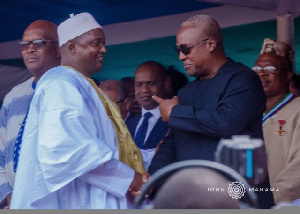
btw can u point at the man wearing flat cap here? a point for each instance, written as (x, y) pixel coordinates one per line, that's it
(77, 152)
(281, 119)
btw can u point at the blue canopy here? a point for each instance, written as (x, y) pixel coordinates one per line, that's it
(140, 30)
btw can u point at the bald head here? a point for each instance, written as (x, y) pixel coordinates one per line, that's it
(40, 57)
(188, 189)
(49, 28)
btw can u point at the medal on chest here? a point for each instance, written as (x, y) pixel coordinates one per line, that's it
(280, 132)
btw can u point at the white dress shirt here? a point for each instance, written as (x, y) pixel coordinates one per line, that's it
(148, 153)
(152, 120)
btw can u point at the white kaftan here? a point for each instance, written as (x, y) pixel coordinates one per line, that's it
(69, 155)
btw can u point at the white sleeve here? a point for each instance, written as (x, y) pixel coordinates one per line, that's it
(114, 177)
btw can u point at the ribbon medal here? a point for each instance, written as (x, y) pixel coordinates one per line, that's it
(281, 124)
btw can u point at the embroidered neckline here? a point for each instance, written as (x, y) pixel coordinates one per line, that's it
(278, 106)
(33, 85)
(129, 153)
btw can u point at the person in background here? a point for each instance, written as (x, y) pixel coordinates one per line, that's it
(116, 91)
(281, 120)
(76, 149)
(148, 129)
(129, 84)
(294, 86)
(134, 109)
(175, 81)
(40, 52)
(225, 99)
(188, 189)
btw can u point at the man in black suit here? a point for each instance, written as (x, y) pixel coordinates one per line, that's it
(225, 99)
(148, 129)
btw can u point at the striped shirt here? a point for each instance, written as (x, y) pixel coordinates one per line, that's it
(14, 108)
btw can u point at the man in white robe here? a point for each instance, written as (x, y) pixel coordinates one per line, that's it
(71, 150)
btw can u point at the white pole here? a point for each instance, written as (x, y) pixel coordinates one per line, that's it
(285, 30)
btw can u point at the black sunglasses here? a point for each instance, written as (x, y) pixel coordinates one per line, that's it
(37, 44)
(186, 49)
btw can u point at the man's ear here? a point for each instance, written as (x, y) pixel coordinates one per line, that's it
(212, 43)
(71, 46)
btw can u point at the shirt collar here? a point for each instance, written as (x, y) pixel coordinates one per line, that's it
(155, 112)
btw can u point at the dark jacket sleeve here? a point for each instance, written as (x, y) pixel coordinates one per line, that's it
(165, 154)
(241, 101)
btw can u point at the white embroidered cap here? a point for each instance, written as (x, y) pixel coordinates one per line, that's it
(272, 46)
(76, 26)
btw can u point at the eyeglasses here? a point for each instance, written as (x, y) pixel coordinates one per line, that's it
(186, 49)
(268, 70)
(37, 44)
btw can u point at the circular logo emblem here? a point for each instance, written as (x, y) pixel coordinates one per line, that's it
(236, 190)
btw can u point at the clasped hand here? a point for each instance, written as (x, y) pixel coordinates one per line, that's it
(136, 185)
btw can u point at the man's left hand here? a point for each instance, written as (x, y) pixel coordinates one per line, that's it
(165, 106)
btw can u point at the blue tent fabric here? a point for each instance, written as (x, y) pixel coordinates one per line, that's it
(17, 14)
(137, 31)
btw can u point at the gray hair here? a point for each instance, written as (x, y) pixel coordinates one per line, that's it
(207, 24)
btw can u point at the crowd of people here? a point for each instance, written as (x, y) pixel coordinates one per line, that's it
(90, 145)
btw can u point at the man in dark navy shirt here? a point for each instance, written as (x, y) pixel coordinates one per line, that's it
(225, 99)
